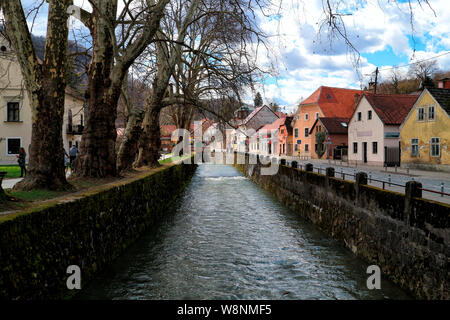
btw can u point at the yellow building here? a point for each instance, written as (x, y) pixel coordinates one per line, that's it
(425, 133)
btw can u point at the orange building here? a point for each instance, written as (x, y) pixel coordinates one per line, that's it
(325, 102)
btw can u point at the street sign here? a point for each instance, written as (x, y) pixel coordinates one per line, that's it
(299, 141)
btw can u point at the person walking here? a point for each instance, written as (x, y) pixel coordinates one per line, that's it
(66, 161)
(73, 152)
(21, 160)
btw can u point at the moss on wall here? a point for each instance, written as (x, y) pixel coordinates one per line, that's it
(37, 246)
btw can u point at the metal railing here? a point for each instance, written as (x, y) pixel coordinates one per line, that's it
(383, 183)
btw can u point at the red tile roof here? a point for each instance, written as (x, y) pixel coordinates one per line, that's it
(392, 108)
(333, 125)
(335, 102)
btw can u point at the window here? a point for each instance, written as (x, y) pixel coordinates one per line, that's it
(317, 115)
(306, 132)
(306, 147)
(315, 147)
(414, 147)
(359, 116)
(435, 147)
(282, 131)
(306, 117)
(296, 132)
(374, 147)
(420, 114)
(431, 113)
(355, 147)
(296, 147)
(13, 145)
(13, 112)
(369, 115)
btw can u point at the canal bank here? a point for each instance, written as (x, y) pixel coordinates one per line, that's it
(406, 236)
(227, 238)
(89, 231)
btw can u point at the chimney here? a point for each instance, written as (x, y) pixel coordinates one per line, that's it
(444, 83)
(372, 86)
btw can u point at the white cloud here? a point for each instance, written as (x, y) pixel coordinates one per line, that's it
(307, 61)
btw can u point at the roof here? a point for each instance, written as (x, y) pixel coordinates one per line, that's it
(335, 102)
(288, 123)
(274, 125)
(334, 125)
(442, 96)
(254, 112)
(392, 108)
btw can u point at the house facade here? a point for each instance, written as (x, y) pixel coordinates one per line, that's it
(16, 115)
(285, 136)
(334, 133)
(374, 128)
(325, 102)
(249, 127)
(425, 134)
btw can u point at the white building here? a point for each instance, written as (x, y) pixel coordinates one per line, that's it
(374, 128)
(15, 114)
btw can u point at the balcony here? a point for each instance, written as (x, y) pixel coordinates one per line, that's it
(75, 129)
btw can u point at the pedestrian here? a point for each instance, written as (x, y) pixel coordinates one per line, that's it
(66, 161)
(21, 160)
(73, 152)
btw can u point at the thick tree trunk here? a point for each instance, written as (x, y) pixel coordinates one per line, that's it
(150, 140)
(97, 150)
(129, 146)
(46, 165)
(46, 85)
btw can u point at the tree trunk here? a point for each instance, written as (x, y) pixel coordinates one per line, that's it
(129, 146)
(46, 85)
(97, 150)
(150, 140)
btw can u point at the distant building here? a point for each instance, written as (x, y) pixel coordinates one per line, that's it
(326, 102)
(374, 128)
(335, 138)
(425, 134)
(240, 137)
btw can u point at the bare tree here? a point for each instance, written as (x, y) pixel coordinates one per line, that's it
(424, 71)
(118, 38)
(45, 82)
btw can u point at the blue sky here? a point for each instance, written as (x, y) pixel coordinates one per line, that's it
(306, 58)
(379, 29)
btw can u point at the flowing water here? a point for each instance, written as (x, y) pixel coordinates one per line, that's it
(226, 238)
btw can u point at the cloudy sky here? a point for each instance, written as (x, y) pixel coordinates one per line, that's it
(380, 30)
(305, 58)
